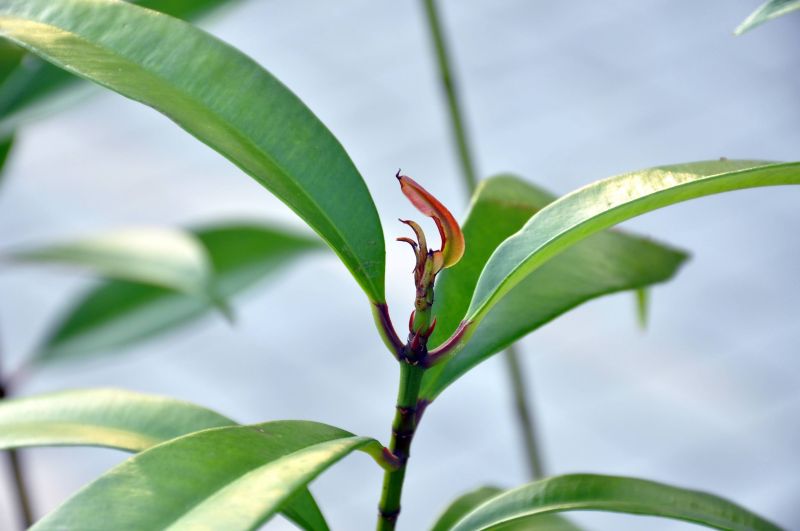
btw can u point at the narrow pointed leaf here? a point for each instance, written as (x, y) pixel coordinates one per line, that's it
(605, 203)
(168, 258)
(223, 98)
(589, 492)
(768, 11)
(35, 87)
(100, 417)
(607, 262)
(124, 420)
(227, 478)
(118, 314)
(449, 231)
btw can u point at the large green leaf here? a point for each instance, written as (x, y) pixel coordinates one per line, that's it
(30, 88)
(588, 492)
(605, 203)
(124, 420)
(223, 98)
(767, 11)
(607, 262)
(118, 314)
(168, 258)
(100, 417)
(469, 501)
(227, 478)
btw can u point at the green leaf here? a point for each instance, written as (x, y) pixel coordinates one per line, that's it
(642, 306)
(223, 98)
(100, 417)
(463, 505)
(5, 150)
(469, 501)
(168, 258)
(769, 10)
(588, 492)
(227, 478)
(124, 420)
(607, 262)
(32, 87)
(605, 203)
(118, 314)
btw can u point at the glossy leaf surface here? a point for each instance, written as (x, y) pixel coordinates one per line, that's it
(605, 203)
(227, 478)
(588, 492)
(124, 420)
(118, 314)
(32, 85)
(469, 501)
(766, 12)
(463, 505)
(100, 417)
(167, 258)
(223, 98)
(605, 263)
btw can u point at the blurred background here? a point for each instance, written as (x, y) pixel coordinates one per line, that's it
(561, 93)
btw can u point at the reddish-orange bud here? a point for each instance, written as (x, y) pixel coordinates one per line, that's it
(452, 238)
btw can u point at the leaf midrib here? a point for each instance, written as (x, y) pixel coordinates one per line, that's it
(492, 299)
(187, 509)
(229, 127)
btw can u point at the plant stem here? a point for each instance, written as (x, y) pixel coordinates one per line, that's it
(403, 428)
(449, 86)
(18, 478)
(16, 469)
(524, 416)
(523, 412)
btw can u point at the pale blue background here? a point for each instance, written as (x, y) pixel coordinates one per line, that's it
(562, 93)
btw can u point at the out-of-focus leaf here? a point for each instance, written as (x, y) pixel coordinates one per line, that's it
(10, 57)
(605, 263)
(600, 205)
(223, 98)
(5, 150)
(117, 314)
(226, 478)
(588, 492)
(767, 11)
(124, 420)
(100, 417)
(30, 88)
(168, 258)
(642, 306)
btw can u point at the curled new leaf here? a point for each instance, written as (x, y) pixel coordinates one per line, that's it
(452, 239)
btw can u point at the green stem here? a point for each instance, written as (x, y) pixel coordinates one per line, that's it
(403, 428)
(449, 86)
(524, 414)
(526, 421)
(17, 474)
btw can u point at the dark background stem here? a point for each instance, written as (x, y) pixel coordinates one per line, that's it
(524, 414)
(15, 467)
(21, 489)
(447, 80)
(525, 421)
